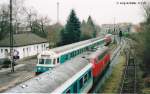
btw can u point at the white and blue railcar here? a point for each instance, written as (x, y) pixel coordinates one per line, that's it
(75, 76)
(53, 57)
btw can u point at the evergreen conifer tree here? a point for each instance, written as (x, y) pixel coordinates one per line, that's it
(72, 32)
(92, 26)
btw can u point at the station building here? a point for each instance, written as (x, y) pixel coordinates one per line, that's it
(25, 45)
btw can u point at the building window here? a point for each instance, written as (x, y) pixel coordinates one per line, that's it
(34, 47)
(6, 50)
(1, 50)
(6, 53)
(37, 47)
(42, 47)
(30, 49)
(23, 51)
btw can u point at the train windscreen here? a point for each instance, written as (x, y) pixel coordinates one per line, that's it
(44, 61)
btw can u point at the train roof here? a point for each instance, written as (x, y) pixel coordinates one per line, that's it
(99, 52)
(73, 45)
(49, 81)
(60, 50)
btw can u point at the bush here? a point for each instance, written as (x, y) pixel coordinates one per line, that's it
(6, 63)
(147, 81)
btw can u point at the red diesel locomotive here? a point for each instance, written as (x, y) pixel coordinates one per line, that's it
(100, 60)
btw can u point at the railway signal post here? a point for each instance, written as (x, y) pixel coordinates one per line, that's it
(120, 35)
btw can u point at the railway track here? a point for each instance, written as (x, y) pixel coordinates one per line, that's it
(128, 84)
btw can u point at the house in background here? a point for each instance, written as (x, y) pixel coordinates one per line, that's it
(25, 45)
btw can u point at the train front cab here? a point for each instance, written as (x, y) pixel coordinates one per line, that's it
(44, 64)
(82, 84)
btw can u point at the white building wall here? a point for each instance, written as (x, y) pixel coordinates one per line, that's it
(4, 52)
(24, 51)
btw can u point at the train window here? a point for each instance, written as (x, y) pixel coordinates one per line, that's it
(68, 91)
(66, 57)
(75, 52)
(96, 60)
(85, 78)
(75, 88)
(41, 61)
(101, 56)
(89, 74)
(57, 60)
(72, 54)
(80, 83)
(54, 60)
(47, 61)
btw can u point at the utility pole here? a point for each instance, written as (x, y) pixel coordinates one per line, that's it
(114, 26)
(114, 31)
(57, 12)
(11, 38)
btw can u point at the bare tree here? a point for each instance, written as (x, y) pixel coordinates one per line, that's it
(4, 20)
(44, 22)
(31, 16)
(146, 10)
(36, 21)
(18, 14)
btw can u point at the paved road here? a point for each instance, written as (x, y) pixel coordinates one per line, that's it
(22, 73)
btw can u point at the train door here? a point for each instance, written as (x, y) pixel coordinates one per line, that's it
(75, 88)
(54, 61)
(57, 62)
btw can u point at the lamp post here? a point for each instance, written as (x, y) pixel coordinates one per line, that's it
(11, 38)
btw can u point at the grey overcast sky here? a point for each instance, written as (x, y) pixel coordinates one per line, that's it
(102, 11)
